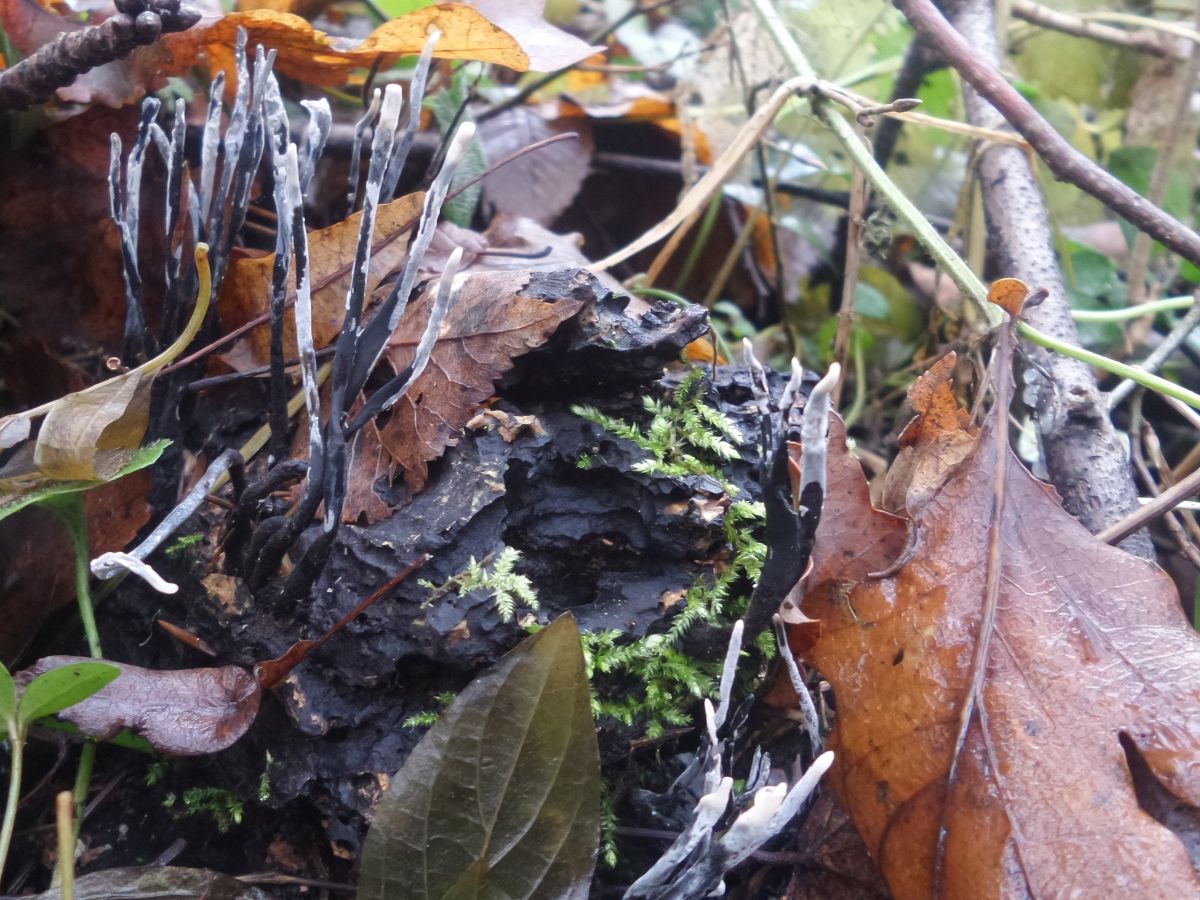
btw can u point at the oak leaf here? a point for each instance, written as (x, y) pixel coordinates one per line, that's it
(1087, 663)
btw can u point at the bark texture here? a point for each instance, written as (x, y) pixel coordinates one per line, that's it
(1085, 457)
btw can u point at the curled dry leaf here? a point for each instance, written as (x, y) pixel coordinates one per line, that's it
(1088, 658)
(246, 291)
(313, 56)
(494, 318)
(188, 712)
(185, 712)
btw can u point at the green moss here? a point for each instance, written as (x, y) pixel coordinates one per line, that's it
(650, 682)
(510, 589)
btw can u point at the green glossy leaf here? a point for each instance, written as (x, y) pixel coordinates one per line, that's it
(501, 799)
(18, 493)
(62, 687)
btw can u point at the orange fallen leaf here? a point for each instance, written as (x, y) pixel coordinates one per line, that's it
(995, 750)
(308, 54)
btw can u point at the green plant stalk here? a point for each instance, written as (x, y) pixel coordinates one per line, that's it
(17, 742)
(83, 780)
(860, 382)
(1169, 304)
(942, 253)
(967, 281)
(66, 846)
(70, 509)
(1133, 373)
(701, 241)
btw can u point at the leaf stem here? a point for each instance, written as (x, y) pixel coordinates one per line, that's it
(203, 295)
(17, 742)
(70, 508)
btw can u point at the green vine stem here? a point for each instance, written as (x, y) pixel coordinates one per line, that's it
(1133, 373)
(1153, 308)
(942, 253)
(70, 508)
(17, 743)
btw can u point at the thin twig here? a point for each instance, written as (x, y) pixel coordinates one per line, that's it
(1156, 189)
(1067, 163)
(1161, 353)
(1045, 17)
(846, 315)
(1167, 500)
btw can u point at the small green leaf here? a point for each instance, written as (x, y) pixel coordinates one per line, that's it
(502, 797)
(445, 106)
(16, 494)
(63, 687)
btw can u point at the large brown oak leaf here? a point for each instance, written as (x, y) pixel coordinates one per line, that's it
(1090, 659)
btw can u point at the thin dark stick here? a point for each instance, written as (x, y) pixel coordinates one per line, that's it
(1164, 502)
(384, 242)
(1067, 163)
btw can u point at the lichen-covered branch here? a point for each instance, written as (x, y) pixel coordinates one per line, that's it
(57, 64)
(1084, 455)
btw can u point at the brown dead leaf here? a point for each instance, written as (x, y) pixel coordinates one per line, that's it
(538, 185)
(313, 56)
(369, 462)
(1088, 648)
(185, 713)
(494, 318)
(938, 438)
(189, 712)
(246, 292)
(60, 272)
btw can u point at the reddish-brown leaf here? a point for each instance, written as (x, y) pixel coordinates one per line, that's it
(186, 712)
(495, 318)
(1089, 649)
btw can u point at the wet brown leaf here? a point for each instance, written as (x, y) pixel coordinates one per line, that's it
(1088, 648)
(186, 712)
(246, 291)
(495, 318)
